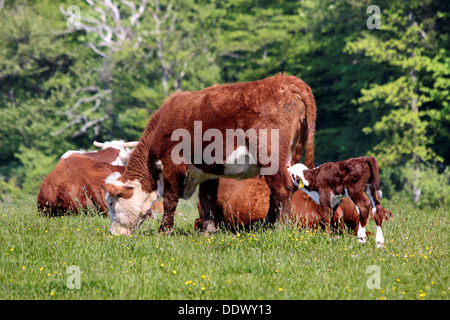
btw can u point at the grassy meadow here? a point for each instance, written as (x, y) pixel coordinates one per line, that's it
(38, 256)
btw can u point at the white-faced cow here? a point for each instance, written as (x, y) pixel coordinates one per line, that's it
(78, 176)
(238, 130)
(357, 178)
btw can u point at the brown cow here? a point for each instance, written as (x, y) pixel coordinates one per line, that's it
(77, 178)
(281, 107)
(357, 178)
(244, 203)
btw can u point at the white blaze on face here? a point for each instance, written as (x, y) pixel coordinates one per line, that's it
(297, 171)
(127, 213)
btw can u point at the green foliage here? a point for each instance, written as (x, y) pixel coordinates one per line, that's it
(380, 92)
(407, 99)
(398, 183)
(434, 186)
(35, 167)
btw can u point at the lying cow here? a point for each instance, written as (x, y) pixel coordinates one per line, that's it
(77, 178)
(244, 203)
(281, 107)
(357, 178)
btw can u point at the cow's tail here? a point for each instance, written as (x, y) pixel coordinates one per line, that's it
(307, 127)
(375, 181)
(310, 105)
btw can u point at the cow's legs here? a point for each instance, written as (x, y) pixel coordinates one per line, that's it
(208, 199)
(363, 205)
(378, 217)
(325, 202)
(280, 198)
(378, 213)
(170, 204)
(337, 221)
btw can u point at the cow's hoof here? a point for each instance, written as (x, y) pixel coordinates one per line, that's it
(362, 240)
(198, 225)
(209, 227)
(379, 245)
(165, 230)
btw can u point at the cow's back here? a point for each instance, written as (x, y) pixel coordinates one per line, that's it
(271, 103)
(75, 183)
(59, 189)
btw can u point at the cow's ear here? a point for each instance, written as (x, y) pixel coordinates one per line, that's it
(122, 191)
(112, 189)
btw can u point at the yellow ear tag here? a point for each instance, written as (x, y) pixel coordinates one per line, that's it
(300, 184)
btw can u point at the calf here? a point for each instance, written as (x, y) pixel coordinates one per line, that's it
(357, 178)
(244, 203)
(346, 213)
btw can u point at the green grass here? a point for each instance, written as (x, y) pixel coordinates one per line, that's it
(285, 263)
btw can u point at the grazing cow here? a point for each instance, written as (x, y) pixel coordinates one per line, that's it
(246, 202)
(357, 178)
(281, 107)
(77, 178)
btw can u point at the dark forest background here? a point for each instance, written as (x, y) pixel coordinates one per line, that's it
(72, 72)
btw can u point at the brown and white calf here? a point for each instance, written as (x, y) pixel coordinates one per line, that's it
(243, 203)
(357, 178)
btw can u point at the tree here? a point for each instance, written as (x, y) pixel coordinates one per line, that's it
(253, 37)
(407, 44)
(36, 65)
(146, 51)
(317, 54)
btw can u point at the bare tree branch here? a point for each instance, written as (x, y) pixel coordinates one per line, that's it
(97, 51)
(97, 96)
(106, 23)
(88, 125)
(113, 33)
(84, 117)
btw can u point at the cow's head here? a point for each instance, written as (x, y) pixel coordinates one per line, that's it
(129, 202)
(296, 173)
